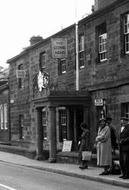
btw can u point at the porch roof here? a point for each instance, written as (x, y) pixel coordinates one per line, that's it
(65, 98)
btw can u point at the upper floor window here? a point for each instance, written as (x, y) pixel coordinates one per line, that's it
(81, 51)
(103, 47)
(126, 33)
(20, 76)
(102, 42)
(42, 60)
(62, 66)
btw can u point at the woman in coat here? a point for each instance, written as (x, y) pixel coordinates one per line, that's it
(84, 145)
(104, 149)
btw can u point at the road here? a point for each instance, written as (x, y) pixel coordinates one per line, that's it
(14, 177)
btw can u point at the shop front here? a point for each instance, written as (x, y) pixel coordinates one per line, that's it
(58, 118)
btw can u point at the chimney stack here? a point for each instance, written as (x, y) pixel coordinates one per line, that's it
(35, 39)
(100, 4)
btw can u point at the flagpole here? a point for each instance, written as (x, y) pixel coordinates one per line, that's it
(76, 37)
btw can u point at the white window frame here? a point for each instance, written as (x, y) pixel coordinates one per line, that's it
(63, 66)
(81, 50)
(126, 33)
(1, 117)
(103, 47)
(44, 124)
(5, 116)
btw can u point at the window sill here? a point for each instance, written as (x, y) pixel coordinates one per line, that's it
(102, 62)
(82, 67)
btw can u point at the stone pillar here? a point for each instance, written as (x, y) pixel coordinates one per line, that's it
(52, 134)
(39, 155)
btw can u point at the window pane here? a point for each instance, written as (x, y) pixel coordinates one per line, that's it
(63, 66)
(5, 116)
(1, 117)
(42, 60)
(103, 46)
(81, 43)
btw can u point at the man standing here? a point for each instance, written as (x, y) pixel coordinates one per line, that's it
(124, 148)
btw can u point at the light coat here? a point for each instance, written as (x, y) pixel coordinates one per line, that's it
(104, 149)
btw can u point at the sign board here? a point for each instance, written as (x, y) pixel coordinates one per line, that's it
(20, 74)
(59, 48)
(98, 102)
(67, 145)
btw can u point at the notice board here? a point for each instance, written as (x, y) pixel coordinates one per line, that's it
(67, 145)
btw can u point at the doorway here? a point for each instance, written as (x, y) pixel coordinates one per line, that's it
(76, 118)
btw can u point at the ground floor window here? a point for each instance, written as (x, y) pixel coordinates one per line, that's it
(125, 109)
(62, 124)
(3, 116)
(44, 123)
(21, 126)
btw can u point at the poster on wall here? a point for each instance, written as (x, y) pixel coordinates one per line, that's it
(67, 145)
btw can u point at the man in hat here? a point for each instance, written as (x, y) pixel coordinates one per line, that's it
(113, 134)
(124, 147)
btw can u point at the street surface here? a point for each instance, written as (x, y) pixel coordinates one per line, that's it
(14, 177)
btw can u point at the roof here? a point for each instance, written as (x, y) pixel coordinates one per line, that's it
(104, 10)
(26, 50)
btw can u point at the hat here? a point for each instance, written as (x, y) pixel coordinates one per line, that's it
(102, 119)
(125, 118)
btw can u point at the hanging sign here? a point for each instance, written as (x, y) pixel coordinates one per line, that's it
(99, 102)
(59, 48)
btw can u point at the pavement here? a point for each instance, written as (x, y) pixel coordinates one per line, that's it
(92, 173)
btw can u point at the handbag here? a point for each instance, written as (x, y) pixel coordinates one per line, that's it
(86, 155)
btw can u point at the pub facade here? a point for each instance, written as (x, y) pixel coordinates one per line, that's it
(46, 108)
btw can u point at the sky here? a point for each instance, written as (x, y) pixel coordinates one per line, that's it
(22, 19)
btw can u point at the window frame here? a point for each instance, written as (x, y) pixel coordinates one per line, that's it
(126, 33)
(81, 48)
(103, 47)
(62, 124)
(42, 60)
(44, 124)
(62, 66)
(20, 80)
(4, 116)
(21, 126)
(125, 109)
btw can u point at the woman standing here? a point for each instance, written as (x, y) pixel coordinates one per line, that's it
(84, 145)
(104, 149)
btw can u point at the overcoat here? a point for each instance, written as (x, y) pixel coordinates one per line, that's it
(84, 140)
(104, 149)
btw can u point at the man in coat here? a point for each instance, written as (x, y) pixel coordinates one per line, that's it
(124, 147)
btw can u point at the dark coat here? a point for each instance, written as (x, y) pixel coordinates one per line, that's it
(124, 139)
(85, 136)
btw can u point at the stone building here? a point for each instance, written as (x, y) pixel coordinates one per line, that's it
(106, 55)
(46, 108)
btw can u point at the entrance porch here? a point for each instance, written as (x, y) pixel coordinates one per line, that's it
(65, 112)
